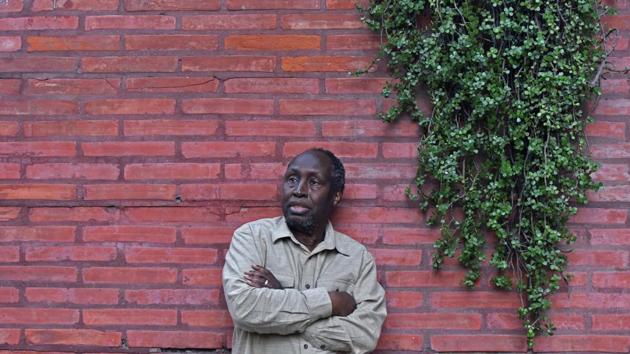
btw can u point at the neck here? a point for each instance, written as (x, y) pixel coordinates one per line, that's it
(311, 240)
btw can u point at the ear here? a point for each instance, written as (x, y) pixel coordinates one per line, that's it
(337, 198)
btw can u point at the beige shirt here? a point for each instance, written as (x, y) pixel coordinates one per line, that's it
(297, 319)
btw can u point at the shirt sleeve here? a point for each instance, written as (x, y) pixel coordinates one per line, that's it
(264, 310)
(359, 331)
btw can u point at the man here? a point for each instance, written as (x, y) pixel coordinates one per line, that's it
(295, 285)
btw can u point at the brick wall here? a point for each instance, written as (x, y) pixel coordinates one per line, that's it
(135, 135)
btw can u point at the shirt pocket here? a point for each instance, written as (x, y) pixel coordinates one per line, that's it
(337, 285)
(287, 281)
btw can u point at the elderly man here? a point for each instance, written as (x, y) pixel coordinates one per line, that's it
(295, 285)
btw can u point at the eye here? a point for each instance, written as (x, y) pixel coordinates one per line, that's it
(315, 182)
(292, 180)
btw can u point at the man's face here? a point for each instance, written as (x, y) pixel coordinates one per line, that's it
(308, 198)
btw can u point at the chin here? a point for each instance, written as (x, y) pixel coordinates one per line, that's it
(302, 223)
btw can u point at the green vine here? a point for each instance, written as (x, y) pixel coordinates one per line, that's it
(504, 148)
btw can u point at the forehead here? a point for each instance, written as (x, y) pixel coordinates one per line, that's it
(311, 161)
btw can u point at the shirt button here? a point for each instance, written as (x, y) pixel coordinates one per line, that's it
(305, 346)
(322, 347)
(308, 286)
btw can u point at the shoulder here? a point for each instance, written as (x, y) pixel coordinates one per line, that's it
(350, 246)
(260, 224)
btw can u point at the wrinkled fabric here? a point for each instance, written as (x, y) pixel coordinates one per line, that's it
(297, 318)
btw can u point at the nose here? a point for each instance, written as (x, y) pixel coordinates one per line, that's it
(301, 189)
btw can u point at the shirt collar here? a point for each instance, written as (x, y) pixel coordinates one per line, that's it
(331, 240)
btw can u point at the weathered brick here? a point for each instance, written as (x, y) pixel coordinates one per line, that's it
(611, 151)
(10, 87)
(360, 191)
(615, 280)
(326, 63)
(272, 4)
(611, 86)
(169, 171)
(39, 23)
(229, 192)
(397, 257)
(583, 343)
(600, 216)
(9, 254)
(229, 63)
(511, 321)
(129, 275)
(12, 6)
(171, 42)
(612, 237)
(196, 235)
(39, 316)
(129, 191)
(73, 336)
(38, 107)
(353, 42)
(38, 64)
(121, 22)
(474, 299)
(77, 214)
(272, 42)
(170, 255)
(38, 191)
(342, 149)
(391, 341)
(598, 259)
(380, 171)
(9, 128)
(269, 128)
(38, 148)
(613, 107)
(440, 279)
(10, 43)
(51, 274)
(129, 64)
(400, 150)
(130, 233)
(327, 107)
(172, 5)
(72, 86)
(173, 296)
(76, 5)
(614, 130)
(131, 106)
(175, 339)
(478, 343)
(173, 214)
(272, 85)
(321, 21)
(404, 299)
(254, 171)
(582, 300)
(129, 316)
(613, 172)
(227, 106)
(207, 318)
(611, 322)
(71, 128)
(244, 214)
(230, 22)
(129, 148)
(345, 4)
(172, 84)
(72, 43)
(10, 336)
(69, 253)
(611, 194)
(82, 296)
(170, 127)
(37, 234)
(9, 170)
(202, 277)
(427, 320)
(72, 171)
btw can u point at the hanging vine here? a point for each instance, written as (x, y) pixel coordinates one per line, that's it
(504, 148)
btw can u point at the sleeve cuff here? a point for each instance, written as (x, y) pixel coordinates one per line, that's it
(318, 302)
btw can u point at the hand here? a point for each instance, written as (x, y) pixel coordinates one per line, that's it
(261, 277)
(343, 303)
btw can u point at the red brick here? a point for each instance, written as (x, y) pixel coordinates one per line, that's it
(356, 85)
(272, 4)
(38, 107)
(326, 63)
(9, 170)
(202, 277)
(269, 128)
(598, 259)
(475, 299)
(129, 148)
(345, 4)
(433, 321)
(227, 106)
(129, 275)
(341, 149)
(10, 336)
(73, 336)
(618, 63)
(38, 64)
(173, 214)
(38, 191)
(439, 279)
(172, 5)
(39, 23)
(120, 22)
(611, 151)
(9, 295)
(129, 316)
(390, 341)
(37, 234)
(38, 274)
(583, 343)
(39, 315)
(70, 253)
(72, 43)
(272, 85)
(396, 192)
(129, 233)
(260, 170)
(170, 127)
(611, 86)
(129, 191)
(12, 6)
(72, 86)
(404, 299)
(206, 235)
(209, 318)
(9, 128)
(511, 321)
(173, 296)
(382, 215)
(10, 43)
(72, 171)
(9, 254)
(83, 296)
(129, 64)
(71, 128)
(327, 107)
(10, 87)
(610, 237)
(611, 194)
(478, 343)
(615, 130)
(229, 63)
(229, 22)
(321, 21)
(613, 172)
(272, 42)
(175, 339)
(397, 257)
(170, 171)
(227, 149)
(77, 5)
(172, 84)
(170, 255)
(580, 300)
(620, 21)
(400, 150)
(613, 107)
(353, 42)
(246, 214)
(79, 214)
(611, 322)
(229, 192)
(8, 213)
(600, 216)
(38, 148)
(615, 280)
(367, 235)
(171, 42)
(360, 191)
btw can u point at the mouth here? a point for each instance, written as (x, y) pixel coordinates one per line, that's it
(298, 209)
